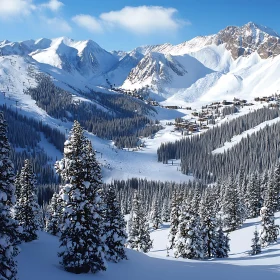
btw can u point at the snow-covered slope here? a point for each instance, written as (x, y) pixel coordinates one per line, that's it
(165, 73)
(38, 260)
(84, 57)
(237, 61)
(242, 57)
(118, 74)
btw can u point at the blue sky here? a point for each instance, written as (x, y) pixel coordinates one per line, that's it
(124, 24)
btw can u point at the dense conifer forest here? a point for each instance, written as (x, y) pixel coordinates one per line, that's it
(254, 152)
(121, 118)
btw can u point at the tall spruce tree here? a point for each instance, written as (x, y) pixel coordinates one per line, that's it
(272, 193)
(277, 183)
(114, 225)
(139, 235)
(81, 240)
(156, 215)
(8, 226)
(54, 214)
(174, 218)
(254, 196)
(196, 199)
(269, 231)
(188, 240)
(222, 243)
(165, 214)
(232, 208)
(208, 224)
(27, 208)
(17, 185)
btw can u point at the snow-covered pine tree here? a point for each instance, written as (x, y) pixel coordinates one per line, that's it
(27, 208)
(196, 198)
(188, 240)
(241, 179)
(139, 235)
(208, 224)
(272, 193)
(269, 231)
(174, 218)
(54, 214)
(256, 245)
(81, 237)
(254, 196)
(165, 214)
(17, 185)
(277, 182)
(156, 215)
(93, 174)
(264, 185)
(222, 243)
(8, 226)
(114, 226)
(232, 209)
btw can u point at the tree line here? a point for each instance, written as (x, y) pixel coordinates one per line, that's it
(122, 119)
(259, 151)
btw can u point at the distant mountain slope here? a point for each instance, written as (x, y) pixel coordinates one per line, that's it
(237, 61)
(166, 73)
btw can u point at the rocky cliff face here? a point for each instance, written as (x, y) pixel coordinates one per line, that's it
(242, 41)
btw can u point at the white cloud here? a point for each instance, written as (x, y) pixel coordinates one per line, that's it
(53, 5)
(11, 8)
(139, 20)
(144, 19)
(88, 22)
(58, 24)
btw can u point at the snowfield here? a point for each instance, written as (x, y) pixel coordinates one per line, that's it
(38, 260)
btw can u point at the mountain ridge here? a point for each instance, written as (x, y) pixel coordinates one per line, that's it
(233, 51)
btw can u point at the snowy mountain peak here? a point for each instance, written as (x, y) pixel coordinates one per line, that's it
(251, 37)
(254, 27)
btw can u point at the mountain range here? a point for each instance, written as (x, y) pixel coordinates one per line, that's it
(236, 62)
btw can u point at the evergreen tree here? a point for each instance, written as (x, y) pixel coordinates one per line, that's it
(222, 243)
(165, 215)
(54, 214)
(139, 235)
(277, 183)
(114, 227)
(264, 185)
(81, 237)
(188, 240)
(269, 231)
(254, 196)
(232, 209)
(272, 193)
(8, 226)
(17, 185)
(196, 199)
(27, 208)
(156, 215)
(256, 246)
(208, 224)
(174, 218)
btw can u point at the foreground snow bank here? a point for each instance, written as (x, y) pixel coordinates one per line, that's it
(38, 260)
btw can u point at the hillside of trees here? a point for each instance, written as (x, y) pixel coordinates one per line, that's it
(257, 152)
(123, 119)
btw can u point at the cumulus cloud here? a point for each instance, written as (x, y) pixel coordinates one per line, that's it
(139, 20)
(58, 24)
(11, 8)
(88, 22)
(53, 5)
(144, 19)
